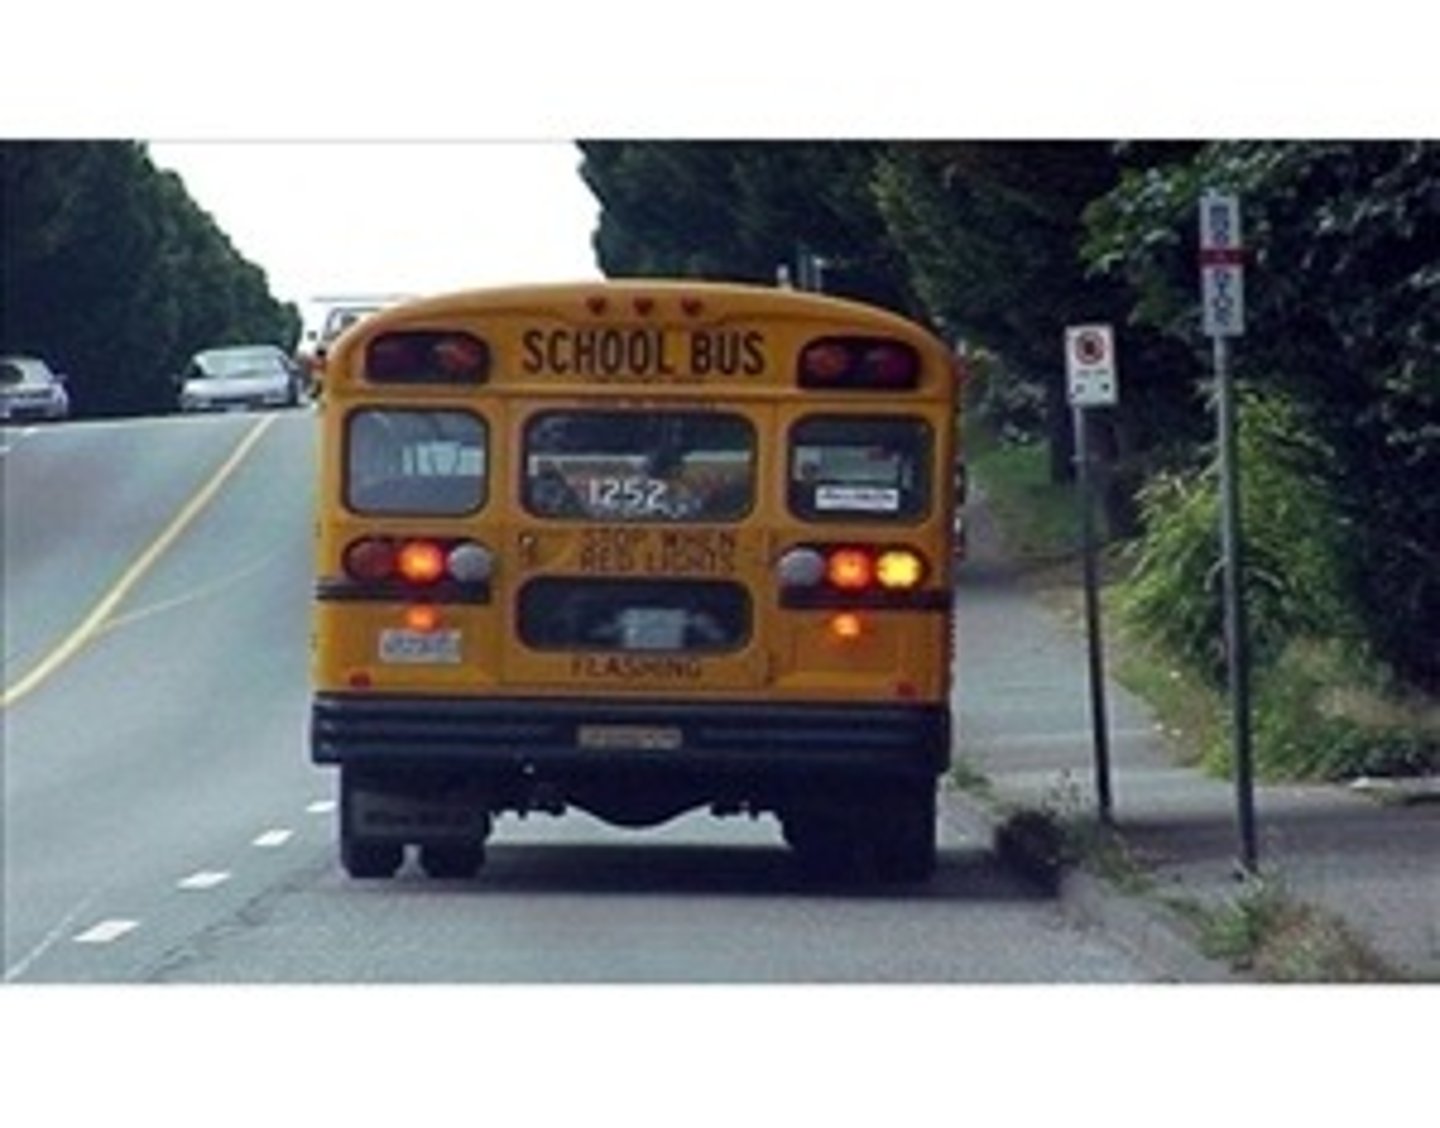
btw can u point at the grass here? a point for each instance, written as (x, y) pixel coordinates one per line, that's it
(1190, 715)
(1320, 713)
(1265, 931)
(1262, 932)
(1040, 518)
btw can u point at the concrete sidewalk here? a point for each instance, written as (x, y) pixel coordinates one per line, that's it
(1369, 857)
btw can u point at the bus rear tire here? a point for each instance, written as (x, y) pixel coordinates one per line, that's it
(890, 838)
(451, 860)
(368, 858)
(904, 840)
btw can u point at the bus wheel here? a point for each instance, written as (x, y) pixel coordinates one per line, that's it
(451, 859)
(904, 835)
(827, 845)
(370, 858)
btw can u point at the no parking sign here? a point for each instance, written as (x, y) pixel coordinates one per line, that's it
(1090, 366)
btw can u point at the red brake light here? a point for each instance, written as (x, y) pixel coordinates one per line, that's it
(421, 562)
(370, 560)
(850, 569)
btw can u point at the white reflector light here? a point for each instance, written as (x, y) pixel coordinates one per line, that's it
(470, 563)
(801, 567)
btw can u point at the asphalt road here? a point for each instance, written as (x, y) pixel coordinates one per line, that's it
(162, 822)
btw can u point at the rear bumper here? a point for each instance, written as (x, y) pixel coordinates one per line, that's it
(564, 738)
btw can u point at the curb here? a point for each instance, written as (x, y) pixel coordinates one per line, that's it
(1400, 790)
(1147, 931)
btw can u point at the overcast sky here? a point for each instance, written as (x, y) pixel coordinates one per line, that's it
(406, 217)
(277, 103)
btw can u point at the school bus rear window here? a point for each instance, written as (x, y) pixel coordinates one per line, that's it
(411, 461)
(627, 466)
(849, 467)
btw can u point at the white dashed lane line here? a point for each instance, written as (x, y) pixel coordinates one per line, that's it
(205, 879)
(107, 931)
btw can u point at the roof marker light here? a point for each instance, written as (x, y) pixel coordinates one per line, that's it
(889, 364)
(427, 356)
(825, 362)
(862, 364)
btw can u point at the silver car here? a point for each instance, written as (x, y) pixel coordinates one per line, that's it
(30, 389)
(240, 376)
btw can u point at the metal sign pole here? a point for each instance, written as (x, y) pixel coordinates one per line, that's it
(1092, 381)
(1223, 298)
(1237, 648)
(1092, 615)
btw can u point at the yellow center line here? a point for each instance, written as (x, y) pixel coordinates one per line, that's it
(95, 620)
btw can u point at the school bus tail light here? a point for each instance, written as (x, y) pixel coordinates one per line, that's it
(417, 562)
(427, 356)
(899, 569)
(420, 562)
(846, 626)
(850, 569)
(370, 560)
(859, 364)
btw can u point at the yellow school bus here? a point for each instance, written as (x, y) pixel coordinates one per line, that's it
(635, 547)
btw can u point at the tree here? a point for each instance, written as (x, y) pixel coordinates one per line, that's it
(992, 233)
(740, 209)
(114, 274)
(1343, 322)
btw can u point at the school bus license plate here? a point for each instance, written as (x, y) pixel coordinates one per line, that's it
(420, 648)
(649, 738)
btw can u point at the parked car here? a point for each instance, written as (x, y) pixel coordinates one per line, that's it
(241, 376)
(31, 389)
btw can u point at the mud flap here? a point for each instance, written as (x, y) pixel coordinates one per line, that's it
(388, 814)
